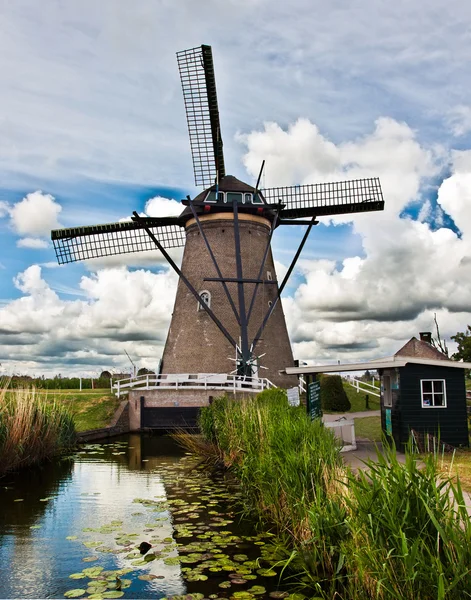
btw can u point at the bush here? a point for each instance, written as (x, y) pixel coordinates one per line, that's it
(333, 396)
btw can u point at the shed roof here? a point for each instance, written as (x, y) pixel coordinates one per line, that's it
(420, 349)
(389, 362)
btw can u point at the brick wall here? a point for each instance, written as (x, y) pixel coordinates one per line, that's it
(194, 343)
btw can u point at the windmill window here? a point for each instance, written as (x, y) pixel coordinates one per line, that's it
(433, 392)
(270, 303)
(269, 276)
(210, 197)
(234, 197)
(221, 197)
(247, 199)
(257, 199)
(206, 298)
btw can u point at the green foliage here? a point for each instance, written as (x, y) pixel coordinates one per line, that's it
(463, 339)
(333, 396)
(391, 531)
(410, 531)
(32, 428)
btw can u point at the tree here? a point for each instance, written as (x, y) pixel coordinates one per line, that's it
(438, 343)
(463, 339)
(333, 395)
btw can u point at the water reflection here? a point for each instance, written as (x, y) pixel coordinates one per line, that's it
(94, 509)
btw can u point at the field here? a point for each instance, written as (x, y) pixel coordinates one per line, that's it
(91, 409)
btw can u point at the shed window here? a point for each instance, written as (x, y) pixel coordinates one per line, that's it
(433, 393)
(206, 298)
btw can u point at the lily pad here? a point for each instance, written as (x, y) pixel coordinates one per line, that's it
(267, 572)
(278, 595)
(71, 537)
(77, 576)
(257, 590)
(35, 526)
(113, 594)
(74, 593)
(90, 558)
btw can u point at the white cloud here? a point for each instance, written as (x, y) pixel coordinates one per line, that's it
(459, 120)
(34, 243)
(4, 209)
(162, 207)
(368, 306)
(35, 215)
(119, 309)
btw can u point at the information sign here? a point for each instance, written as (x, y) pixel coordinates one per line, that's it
(314, 400)
(293, 396)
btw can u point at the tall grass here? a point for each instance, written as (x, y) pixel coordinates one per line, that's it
(392, 531)
(32, 428)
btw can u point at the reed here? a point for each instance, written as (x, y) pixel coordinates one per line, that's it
(392, 531)
(32, 428)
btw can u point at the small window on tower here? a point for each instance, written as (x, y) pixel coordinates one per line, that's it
(206, 298)
(269, 276)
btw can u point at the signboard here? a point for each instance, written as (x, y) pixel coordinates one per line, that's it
(293, 396)
(314, 400)
(388, 421)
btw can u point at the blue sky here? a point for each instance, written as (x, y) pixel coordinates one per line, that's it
(92, 116)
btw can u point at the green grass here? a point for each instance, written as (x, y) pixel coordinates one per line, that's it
(32, 428)
(90, 409)
(368, 428)
(390, 532)
(358, 399)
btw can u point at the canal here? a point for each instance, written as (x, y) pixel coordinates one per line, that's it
(75, 528)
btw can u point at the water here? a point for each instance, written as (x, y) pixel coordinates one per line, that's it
(92, 510)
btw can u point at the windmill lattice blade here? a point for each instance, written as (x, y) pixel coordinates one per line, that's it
(202, 113)
(339, 197)
(96, 241)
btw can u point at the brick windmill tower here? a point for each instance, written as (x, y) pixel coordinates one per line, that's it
(227, 316)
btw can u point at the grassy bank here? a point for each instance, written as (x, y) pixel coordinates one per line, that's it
(32, 428)
(90, 409)
(396, 531)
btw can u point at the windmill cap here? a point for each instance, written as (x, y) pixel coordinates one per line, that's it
(229, 183)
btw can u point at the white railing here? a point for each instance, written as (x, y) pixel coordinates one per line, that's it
(302, 384)
(362, 386)
(188, 381)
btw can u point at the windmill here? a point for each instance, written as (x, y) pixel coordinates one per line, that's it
(227, 315)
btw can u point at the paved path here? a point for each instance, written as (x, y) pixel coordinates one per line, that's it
(352, 415)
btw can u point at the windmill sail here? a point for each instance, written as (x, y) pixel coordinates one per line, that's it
(96, 241)
(319, 199)
(202, 113)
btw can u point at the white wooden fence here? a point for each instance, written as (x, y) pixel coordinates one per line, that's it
(191, 381)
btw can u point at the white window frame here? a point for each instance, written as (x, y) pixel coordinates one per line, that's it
(208, 303)
(443, 381)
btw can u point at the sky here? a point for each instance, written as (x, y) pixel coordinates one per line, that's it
(92, 127)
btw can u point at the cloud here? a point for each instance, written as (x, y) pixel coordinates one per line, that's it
(459, 120)
(366, 306)
(34, 243)
(35, 215)
(162, 207)
(119, 309)
(4, 209)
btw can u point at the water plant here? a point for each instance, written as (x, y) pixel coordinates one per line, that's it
(391, 531)
(32, 428)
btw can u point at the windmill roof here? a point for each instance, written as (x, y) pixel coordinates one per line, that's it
(229, 183)
(415, 348)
